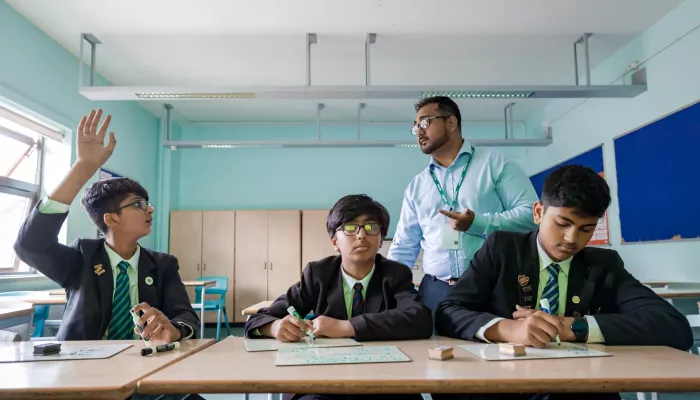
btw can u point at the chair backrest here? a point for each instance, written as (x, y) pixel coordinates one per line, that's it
(220, 287)
(7, 336)
(694, 320)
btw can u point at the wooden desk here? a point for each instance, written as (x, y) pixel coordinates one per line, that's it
(676, 293)
(42, 297)
(254, 308)
(110, 378)
(629, 369)
(17, 313)
(204, 285)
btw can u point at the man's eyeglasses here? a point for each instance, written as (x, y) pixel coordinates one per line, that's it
(352, 229)
(140, 203)
(424, 123)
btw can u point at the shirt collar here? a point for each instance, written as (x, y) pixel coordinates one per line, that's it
(350, 281)
(115, 259)
(546, 261)
(465, 149)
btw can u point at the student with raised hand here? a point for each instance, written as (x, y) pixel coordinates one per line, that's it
(106, 278)
(358, 294)
(592, 297)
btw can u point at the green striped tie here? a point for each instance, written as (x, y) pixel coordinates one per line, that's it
(120, 326)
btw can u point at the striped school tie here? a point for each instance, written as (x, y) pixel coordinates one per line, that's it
(358, 303)
(120, 327)
(551, 290)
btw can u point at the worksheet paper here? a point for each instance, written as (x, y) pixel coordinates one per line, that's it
(272, 344)
(490, 352)
(340, 355)
(68, 352)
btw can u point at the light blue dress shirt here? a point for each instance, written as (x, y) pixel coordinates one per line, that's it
(496, 189)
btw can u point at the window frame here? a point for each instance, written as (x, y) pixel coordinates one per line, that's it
(24, 189)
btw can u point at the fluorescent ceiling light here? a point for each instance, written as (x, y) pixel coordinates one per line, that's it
(116, 93)
(299, 144)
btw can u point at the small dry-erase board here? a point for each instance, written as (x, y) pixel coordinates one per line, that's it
(491, 352)
(340, 355)
(15, 353)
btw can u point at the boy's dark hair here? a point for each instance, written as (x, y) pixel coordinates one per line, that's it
(104, 196)
(446, 106)
(352, 206)
(579, 187)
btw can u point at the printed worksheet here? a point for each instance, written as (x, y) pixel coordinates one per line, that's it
(340, 355)
(490, 352)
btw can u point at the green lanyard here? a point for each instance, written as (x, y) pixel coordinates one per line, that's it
(454, 204)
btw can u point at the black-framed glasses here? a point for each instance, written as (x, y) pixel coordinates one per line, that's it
(140, 203)
(371, 228)
(424, 123)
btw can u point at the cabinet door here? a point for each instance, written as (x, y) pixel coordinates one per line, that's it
(315, 242)
(251, 260)
(283, 251)
(218, 241)
(186, 244)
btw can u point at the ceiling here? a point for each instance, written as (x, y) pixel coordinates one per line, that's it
(440, 42)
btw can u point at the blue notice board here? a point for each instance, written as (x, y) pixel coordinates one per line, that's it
(658, 178)
(593, 159)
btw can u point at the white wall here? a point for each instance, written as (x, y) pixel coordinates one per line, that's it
(670, 51)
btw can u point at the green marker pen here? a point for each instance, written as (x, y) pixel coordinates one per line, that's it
(292, 311)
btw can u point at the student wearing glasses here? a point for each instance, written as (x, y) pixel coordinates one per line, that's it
(358, 294)
(460, 198)
(106, 278)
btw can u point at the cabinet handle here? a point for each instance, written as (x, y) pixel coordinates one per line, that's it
(270, 265)
(205, 267)
(265, 267)
(197, 266)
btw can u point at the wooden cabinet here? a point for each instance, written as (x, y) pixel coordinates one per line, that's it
(315, 241)
(204, 243)
(267, 257)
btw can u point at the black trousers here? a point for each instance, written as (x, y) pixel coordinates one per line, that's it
(515, 396)
(433, 291)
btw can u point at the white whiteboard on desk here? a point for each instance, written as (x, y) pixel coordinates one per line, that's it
(22, 353)
(340, 355)
(491, 352)
(272, 344)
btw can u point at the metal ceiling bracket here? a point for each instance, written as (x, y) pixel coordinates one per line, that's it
(508, 118)
(168, 124)
(319, 107)
(370, 39)
(360, 106)
(583, 39)
(90, 38)
(310, 39)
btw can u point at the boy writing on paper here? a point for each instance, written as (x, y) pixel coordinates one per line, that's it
(593, 299)
(106, 278)
(358, 294)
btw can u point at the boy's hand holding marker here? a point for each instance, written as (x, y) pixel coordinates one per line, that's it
(533, 328)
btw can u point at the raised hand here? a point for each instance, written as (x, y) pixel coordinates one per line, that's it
(91, 141)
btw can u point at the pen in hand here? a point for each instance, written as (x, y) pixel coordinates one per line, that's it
(292, 311)
(544, 303)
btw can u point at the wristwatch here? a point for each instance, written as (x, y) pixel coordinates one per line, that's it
(580, 329)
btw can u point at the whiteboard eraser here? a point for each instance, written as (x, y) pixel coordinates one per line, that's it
(441, 353)
(512, 349)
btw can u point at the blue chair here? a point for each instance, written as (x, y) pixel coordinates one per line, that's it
(41, 313)
(218, 305)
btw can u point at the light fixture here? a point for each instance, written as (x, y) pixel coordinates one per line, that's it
(171, 96)
(480, 95)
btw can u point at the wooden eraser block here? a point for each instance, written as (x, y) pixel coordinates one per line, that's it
(512, 349)
(441, 353)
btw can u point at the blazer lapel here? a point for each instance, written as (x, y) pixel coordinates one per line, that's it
(147, 281)
(374, 296)
(528, 275)
(580, 289)
(336, 297)
(102, 270)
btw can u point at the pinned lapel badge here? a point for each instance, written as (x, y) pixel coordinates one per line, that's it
(523, 280)
(576, 299)
(149, 281)
(98, 269)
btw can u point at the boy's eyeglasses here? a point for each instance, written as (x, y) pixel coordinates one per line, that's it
(140, 203)
(424, 123)
(352, 229)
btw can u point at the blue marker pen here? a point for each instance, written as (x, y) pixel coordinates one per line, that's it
(544, 303)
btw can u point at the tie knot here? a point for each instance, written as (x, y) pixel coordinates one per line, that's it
(123, 266)
(357, 287)
(554, 269)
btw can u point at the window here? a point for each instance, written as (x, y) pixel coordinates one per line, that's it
(22, 143)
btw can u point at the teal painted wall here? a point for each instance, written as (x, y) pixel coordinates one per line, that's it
(672, 72)
(39, 75)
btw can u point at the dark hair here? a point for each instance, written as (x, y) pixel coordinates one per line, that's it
(446, 106)
(104, 196)
(352, 206)
(579, 187)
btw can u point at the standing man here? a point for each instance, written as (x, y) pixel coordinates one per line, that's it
(461, 197)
